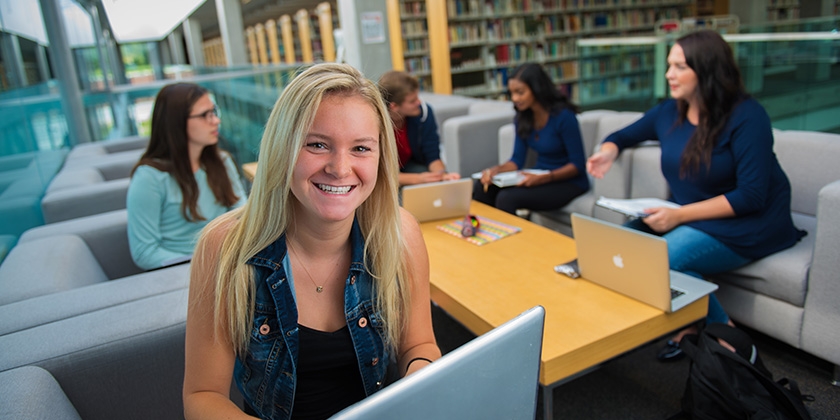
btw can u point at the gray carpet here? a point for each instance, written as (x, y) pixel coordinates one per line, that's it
(637, 386)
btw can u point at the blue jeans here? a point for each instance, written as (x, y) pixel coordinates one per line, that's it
(697, 254)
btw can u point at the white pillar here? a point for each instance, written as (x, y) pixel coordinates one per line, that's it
(232, 30)
(194, 41)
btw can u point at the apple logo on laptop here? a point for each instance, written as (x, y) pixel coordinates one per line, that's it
(618, 261)
(437, 203)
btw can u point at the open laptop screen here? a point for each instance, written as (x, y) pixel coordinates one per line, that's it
(494, 376)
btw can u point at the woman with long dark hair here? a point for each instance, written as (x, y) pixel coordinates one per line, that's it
(545, 123)
(718, 160)
(182, 181)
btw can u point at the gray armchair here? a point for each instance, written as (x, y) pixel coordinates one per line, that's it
(87, 186)
(86, 151)
(67, 255)
(790, 295)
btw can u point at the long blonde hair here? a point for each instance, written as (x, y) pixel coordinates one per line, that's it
(269, 210)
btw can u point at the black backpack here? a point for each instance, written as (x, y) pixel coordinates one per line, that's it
(735, 385)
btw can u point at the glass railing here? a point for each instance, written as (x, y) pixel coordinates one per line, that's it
(32, 119)
(35, 139)
(794, 75)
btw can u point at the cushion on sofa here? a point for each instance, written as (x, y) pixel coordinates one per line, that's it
(796, 153)
(70, 203)
(46, 266)
(75, 177)
(121, 362)
(30, 313)
(30, 392)
(783, 275)
(646, 178)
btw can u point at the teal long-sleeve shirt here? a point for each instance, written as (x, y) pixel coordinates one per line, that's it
(157, 231)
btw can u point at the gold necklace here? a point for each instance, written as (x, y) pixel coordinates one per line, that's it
(318, 289)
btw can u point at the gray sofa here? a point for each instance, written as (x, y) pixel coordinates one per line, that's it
(86, 151)
(67, 255)
(791, 295)
(30, 392)
(124, 361)
(468, 141)
(73, 303)
(89, 185)
(475, 142)
(23, 182)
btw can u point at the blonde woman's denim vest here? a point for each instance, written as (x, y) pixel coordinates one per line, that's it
(266, 374)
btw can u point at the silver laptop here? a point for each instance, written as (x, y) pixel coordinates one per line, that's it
(494, 376)
(438, 200)
(633, 263)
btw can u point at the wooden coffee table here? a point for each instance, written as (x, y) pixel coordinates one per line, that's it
(484, 286)
(250, 170)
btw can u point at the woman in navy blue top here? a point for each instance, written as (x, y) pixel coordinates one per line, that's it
(718, 160)
(545, 123)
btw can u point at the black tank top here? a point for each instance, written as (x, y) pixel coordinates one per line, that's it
(328, 377)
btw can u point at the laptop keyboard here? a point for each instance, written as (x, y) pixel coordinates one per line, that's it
(676, 293)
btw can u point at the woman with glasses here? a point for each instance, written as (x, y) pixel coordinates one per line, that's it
(182, 181)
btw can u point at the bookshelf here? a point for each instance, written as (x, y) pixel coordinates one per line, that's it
(415, 41)
(712, 7)
(612, 73)
(782, 10)
(305, 37)
(485, 39)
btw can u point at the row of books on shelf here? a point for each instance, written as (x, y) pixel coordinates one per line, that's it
(547, 26)
(414, 27)
(782, 3)
(468, 8)
(413, 8)
(506, 53)
(621, 63)
(615, 87)
(495, 30)
(416, 45)
(418, 64)
(782, 14)
(562, 71)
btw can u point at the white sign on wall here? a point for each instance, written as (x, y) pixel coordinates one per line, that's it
(373, 27)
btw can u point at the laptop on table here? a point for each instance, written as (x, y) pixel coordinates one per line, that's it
(494, 376)
(634, 264)
(438, 200)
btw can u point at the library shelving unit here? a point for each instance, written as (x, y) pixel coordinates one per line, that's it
(315, 33)
(485, 39)
(415, 41)
(613, 73)
(306, 38)
(782, 10)
(712, 7)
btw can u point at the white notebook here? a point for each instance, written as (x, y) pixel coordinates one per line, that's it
(634, 207)
(512, 178)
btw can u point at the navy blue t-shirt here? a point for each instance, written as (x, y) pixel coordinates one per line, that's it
(744, 169)
(558, 143)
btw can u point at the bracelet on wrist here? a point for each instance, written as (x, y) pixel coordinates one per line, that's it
(416, 359)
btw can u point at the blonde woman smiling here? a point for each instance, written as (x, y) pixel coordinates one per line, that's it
(306, 295)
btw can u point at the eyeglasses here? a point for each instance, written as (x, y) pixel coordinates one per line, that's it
(209, 114)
